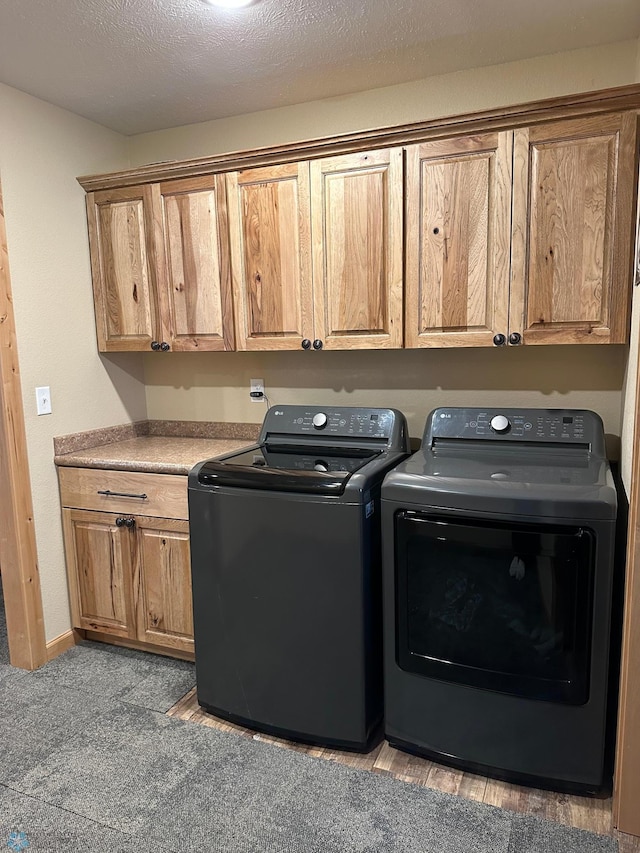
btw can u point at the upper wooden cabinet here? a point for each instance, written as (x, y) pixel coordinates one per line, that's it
(124, 268)
(458, 202)
(573, 221)
(160, 265)
(498, 228)
(270, 230)
(522, 236)
(356, 225)
(317, 253)
(195, 293)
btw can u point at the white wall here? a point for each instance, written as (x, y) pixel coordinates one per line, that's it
(215, 386)
(450, 94)
(42, 150)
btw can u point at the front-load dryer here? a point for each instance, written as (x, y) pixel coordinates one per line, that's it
(498, 538)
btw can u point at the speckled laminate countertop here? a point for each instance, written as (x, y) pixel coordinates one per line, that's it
(159, 447)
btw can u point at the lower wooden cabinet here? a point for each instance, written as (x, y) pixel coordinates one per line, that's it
(129, 573)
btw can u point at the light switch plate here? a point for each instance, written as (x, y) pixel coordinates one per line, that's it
(43, 400)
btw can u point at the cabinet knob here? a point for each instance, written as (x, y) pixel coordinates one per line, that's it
(164, 346)
(155, 345)
(306, 343)
(129, 522)
(119, 522)
(317, 344)
(499, 340)
(515, 338)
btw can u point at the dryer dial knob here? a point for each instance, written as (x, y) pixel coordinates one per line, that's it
(320, 420)
(500, 424)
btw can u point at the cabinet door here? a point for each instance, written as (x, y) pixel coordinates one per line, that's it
(124, 264)
(356, 208)
(572, 230)
(269, 222)
(458, 212)
(99, 570)
(195, 295)
(162, 583)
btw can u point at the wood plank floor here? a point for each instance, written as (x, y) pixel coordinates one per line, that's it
(581, 812)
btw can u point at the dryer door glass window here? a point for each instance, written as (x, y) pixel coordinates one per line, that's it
(495, 606)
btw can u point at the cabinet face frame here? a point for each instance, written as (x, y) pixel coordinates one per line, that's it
(454, 186)
(270, 237)
(357, 237)
(125, 259)
(195, 283)
(606, 216)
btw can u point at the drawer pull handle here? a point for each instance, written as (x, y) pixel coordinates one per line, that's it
(111, 494)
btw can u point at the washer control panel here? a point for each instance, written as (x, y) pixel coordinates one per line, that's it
(570, 426)
(346, 423)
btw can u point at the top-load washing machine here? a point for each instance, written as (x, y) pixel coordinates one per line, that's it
(498, 539)
(285, 556)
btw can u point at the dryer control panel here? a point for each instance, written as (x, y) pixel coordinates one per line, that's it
(541, 426)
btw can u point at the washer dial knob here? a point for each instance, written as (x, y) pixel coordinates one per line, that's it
(499, 423)
(320, 420)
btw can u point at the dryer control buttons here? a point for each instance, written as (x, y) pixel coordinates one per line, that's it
(320, 420)
(499, 423)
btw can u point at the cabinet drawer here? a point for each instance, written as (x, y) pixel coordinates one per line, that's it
(165, 495)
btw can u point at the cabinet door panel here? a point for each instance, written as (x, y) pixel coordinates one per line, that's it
(162, 583)
(570, 282)
(356, 203)
(99, 560)
(197, 294)
(269, 225)
(124, 264)
(458, 240)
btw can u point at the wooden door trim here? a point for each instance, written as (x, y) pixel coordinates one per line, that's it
(626, 781)
(18, 552)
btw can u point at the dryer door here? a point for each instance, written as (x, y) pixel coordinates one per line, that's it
(497, 606)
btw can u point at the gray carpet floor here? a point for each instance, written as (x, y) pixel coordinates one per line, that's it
(90, 762)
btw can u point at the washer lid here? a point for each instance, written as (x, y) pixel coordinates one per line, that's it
(320, 470)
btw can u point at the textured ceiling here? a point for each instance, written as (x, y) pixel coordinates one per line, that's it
(140, 65)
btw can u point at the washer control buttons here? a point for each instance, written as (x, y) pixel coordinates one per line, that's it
(319, 420)
(499, 423)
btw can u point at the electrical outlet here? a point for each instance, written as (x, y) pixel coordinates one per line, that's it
(43, 400)
(256, 390)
